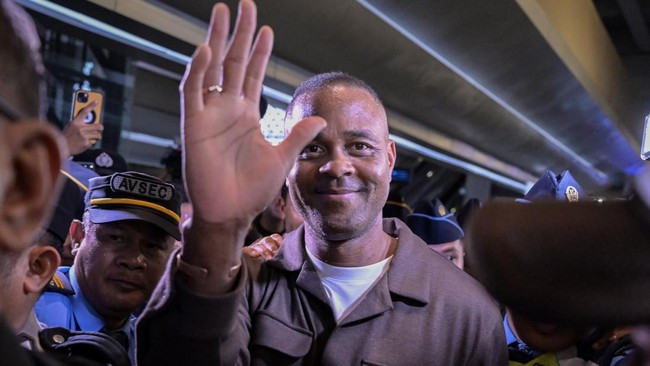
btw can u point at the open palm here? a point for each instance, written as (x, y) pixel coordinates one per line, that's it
(231, 171)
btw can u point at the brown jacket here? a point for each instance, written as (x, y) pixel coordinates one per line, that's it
(424, 311)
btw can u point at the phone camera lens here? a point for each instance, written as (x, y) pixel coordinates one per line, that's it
(82, 97)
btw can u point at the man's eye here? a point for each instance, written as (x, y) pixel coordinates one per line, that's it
(311, 150)
(116, 238)
(360, 149)
(451, 257)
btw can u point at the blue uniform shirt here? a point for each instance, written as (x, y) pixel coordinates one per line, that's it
(74, 312)
(510, 335)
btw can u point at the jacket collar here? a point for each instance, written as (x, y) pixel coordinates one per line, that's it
(405, 274)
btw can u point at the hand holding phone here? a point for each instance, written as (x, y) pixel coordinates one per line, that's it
(85, 128)
(89, 102)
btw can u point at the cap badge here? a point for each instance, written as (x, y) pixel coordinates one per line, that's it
(104, 160)
(441, 210)
(142, 187)
(571, 194)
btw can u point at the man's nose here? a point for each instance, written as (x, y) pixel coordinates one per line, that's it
(338, 165)
(132, 259)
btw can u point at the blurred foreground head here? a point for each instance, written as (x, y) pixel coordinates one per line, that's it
(589, 260)
(30, 156)
(30, 151)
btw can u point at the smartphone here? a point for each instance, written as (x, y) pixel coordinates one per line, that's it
(645, 144)
(87, 164)
(82, 98)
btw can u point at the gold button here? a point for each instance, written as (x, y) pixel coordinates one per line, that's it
(57, 338)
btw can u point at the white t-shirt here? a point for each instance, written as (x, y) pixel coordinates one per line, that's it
(345, 286)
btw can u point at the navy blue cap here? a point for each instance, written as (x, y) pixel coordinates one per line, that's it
(560, 187)
(434, 224)
(134, 196)
(69, 206)
(105, 162)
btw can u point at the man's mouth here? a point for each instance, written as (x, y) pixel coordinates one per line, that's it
(127, 284)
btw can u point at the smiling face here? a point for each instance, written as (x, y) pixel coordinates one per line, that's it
(119, 264)
(340, 181)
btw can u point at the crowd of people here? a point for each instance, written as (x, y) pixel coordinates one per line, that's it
(292, 254)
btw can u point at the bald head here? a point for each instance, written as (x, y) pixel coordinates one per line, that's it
(309, 97)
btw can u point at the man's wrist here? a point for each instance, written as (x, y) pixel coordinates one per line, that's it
(211, 255)
(198, 272)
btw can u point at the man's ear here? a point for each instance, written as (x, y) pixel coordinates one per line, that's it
(392, 154)
(77, 234)
(34, 152)
(43, 262)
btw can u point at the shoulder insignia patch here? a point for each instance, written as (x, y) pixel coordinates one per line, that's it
(60, 283)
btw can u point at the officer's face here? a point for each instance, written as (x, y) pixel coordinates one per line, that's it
(119, 264)
(545, 337)
(452, 251)
(340, 181)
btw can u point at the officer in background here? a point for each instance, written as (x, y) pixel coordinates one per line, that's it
(528, 340)
(438, 228)
(549, 343)
(102, 161)
(121, 248)
(600, 278)
(549, 186)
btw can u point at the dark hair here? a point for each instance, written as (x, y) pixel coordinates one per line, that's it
(173, 162)
(319, 82)
(21, 67)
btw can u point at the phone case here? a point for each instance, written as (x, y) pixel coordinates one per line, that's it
(82, 98)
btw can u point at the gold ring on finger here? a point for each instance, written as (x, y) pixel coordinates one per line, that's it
(212, 89)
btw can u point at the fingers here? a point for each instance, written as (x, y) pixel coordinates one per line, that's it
(265, 247)
(301, 134)
(251, 252)
(236, 61)
(192, 84)
(87, 109)
(237, 67)
(83, 112)
(257, 65)
(217, 39)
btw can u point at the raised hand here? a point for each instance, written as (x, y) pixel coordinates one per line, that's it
(231, 171)
(80, 135)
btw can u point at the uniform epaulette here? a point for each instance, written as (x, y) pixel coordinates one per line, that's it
(60, 283)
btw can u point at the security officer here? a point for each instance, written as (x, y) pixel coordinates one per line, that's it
(531, 342)
(434, 224)
(129, 225)
(102, 161)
